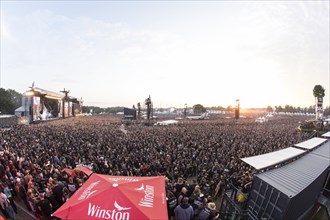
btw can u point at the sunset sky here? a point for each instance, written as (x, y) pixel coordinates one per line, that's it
(116, 53)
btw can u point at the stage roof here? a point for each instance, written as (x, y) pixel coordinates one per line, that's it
(311, 143)
(326, 134)
(270, 159)
(39, 92)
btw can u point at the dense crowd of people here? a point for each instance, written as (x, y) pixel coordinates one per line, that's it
(207, 153)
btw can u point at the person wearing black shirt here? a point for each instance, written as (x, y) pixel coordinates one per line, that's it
(171, 204)
(58, 192)
(45, 207)
(49, 195)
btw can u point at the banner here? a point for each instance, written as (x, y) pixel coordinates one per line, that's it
(319, 104)
(130, 113)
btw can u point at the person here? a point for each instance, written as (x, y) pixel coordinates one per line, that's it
(45, 207)
(184, 211)
(196, 193)
(8, 193)
(182, 195)
(72, 186)
(58, 191)
(66, 194)
(49, 195)
(172, 202)
(22, 193)
(220, 188)
(5, 205)
(178, 187)
(234, 185)
(191, 187)
(209, 212)
(197, 200)
(209, 149)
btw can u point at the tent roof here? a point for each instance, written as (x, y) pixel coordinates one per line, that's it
(7, 116)
(323, 150)
(21, 109)
(293, 178)
(167, 122)
(266, 160)
(311, 143)
(326, 134)
(84, 169)
(117, 197)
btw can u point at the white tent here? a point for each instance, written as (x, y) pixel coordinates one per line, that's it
(167, 122)
(270, 159)
(326, 135)
(18, 111)
(261, 119)
(311, 143)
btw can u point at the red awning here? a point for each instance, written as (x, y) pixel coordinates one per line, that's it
(69, 171)
(117, 197)
(83, 169)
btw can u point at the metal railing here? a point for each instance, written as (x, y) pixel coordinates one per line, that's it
(230, 208)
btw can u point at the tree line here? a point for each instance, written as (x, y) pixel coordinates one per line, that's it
(11, 100)
(99, 110)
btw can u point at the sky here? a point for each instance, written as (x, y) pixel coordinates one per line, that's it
(117, 53)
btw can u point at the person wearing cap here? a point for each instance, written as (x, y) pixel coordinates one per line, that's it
(184, 211)
(209, 213)
(213, 208)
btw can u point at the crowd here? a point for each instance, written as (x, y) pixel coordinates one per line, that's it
(207, 153)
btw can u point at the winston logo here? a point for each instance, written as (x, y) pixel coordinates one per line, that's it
(119, 207)
(141, 188)
(124, 179)
(88, 191)
(119, 213)
(149, 194)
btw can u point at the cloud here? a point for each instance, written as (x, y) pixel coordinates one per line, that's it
(4, 30)
(63, 80)
(48, 40)
(277, 41)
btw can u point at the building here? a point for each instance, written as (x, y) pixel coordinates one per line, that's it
(292, 183)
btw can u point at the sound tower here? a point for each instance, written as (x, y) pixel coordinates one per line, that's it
(237, 109)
